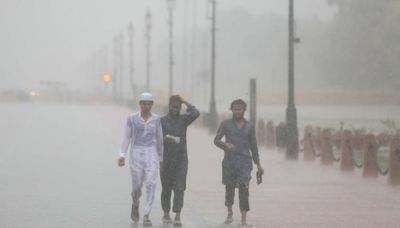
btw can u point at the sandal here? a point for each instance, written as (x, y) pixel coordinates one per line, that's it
(228, 220)
(177, 223)
(147, 222)
(166, 219)
(135, 213)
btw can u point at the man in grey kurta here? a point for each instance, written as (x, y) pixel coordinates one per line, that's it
(240, 148)
(175, 165)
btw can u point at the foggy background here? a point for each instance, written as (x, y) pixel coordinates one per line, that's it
(64, 41)
(61, 126)
(348, 52)
(341, 48)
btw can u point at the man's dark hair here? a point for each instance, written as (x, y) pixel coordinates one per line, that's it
(239, 102)
(175, 99)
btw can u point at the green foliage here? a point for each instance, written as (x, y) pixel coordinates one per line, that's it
(382, 156)
(361, 131)
(391, 126)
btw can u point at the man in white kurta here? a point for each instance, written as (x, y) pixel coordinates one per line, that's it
(143, 133)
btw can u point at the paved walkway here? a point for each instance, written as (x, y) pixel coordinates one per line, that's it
(293, 193)
(58, 169)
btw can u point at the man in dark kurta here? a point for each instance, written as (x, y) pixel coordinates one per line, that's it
(240, 140)
(174, 168)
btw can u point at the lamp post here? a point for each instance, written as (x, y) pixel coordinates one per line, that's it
(148, 40)
(170, 8)
(131, 69)
(106, 75)
(115, 69)
(213, 117)
(292, 148)
(121, 65)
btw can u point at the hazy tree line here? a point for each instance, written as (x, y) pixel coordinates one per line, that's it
(363, 48)
(358, 49)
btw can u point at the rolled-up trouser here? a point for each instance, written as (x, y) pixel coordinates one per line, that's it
(166, 198)
(243, 196)
(173, 179)
(144, 166)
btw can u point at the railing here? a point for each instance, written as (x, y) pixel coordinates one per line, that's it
(375, 155)
(351, 147)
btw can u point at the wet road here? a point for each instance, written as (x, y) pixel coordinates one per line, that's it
(58, 169)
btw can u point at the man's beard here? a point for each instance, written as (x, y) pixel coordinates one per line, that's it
(174, 114)
(238, 117)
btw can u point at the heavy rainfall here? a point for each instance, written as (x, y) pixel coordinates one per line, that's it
(320, 79)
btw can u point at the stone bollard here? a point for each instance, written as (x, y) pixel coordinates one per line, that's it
(270, 138)
(346, 162)
(261, 132)
(326, 147)
(308, 154)
(281, 135)
(394, 165)
(317, 143)
(369, 150)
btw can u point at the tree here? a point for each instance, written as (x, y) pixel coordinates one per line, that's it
(363, 48)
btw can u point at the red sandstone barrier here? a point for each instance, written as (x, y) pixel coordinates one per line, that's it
(270, 139)
(369, 144)
(261, 132)
(394, 163)
(308, 154)
(317, 141)
(369, 151)
(346, 162)
(326, 147)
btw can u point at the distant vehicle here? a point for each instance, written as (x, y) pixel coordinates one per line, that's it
(15, 95)
(21, 95)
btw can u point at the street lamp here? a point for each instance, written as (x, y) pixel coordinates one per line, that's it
(213, 116)
(170, 8)
(131, 69)
(115, 68)
(121, 64)
(292, 146)
(106, 78)
(148, 39)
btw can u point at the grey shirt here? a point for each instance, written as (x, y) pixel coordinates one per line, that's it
(243, 138)
(178, 152)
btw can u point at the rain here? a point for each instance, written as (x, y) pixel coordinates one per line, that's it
(320, 79)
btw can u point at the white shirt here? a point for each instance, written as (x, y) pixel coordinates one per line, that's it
(139, 133)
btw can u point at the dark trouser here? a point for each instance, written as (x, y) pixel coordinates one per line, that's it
(243, 197)
(166, 198)
(173, 179)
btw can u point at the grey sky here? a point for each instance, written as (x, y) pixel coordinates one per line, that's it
(47, 39)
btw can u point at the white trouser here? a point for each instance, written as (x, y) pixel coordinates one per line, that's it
(144, 166)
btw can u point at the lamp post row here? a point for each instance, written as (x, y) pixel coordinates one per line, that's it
(118, 60)
(118, 54)
(291, 113)
(118, 67)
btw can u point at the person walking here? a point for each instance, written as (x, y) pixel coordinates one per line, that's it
(173, 169)
(143, 133)
(240, 140)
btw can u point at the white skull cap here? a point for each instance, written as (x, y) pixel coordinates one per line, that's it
(146, 96)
